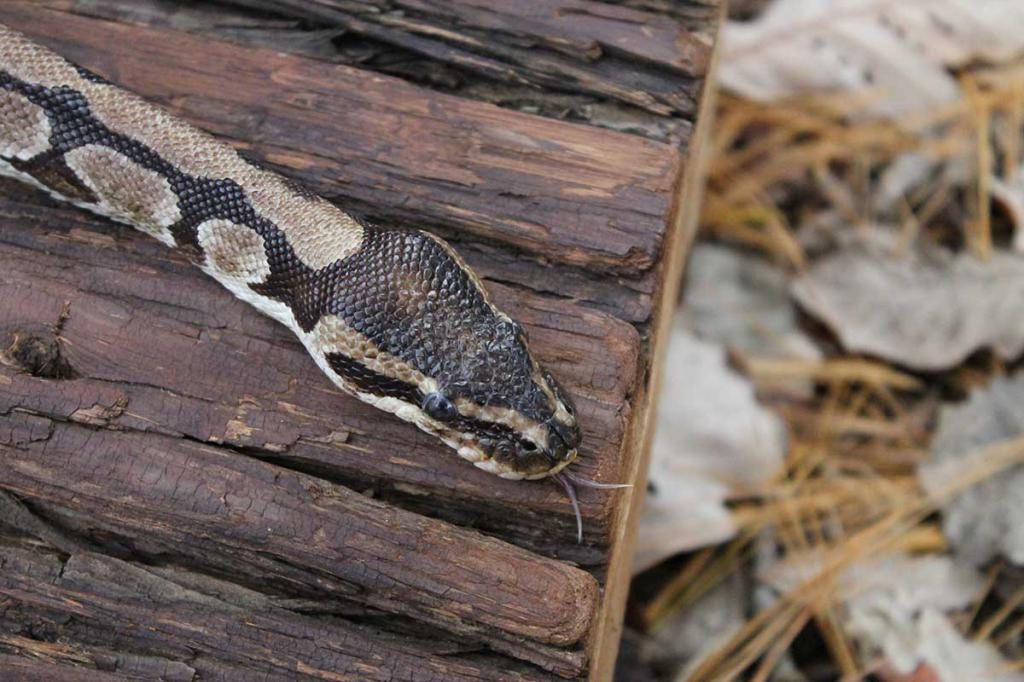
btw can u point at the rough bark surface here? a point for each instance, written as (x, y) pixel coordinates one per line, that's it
(184, 496)
(597, 48)
(193, 629)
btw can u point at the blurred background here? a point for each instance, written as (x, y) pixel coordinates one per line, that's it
(837, 486)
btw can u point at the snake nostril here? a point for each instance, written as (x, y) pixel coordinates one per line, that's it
(558, 449)
(570, 435)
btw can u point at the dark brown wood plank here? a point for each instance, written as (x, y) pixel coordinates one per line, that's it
(590, 198)
(204, 506)
(100, 602)
(598, 48)
(29, 669)
(329, 41)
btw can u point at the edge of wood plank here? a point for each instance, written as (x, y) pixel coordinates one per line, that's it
(604, 641)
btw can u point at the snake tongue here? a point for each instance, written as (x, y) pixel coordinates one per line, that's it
(596, 485)
(569, 482)
(570, 490)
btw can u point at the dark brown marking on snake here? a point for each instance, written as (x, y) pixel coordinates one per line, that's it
(368, 381)
(508, 447)
(52, 170)
(501, 441)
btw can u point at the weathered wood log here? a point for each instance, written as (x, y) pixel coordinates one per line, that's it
(28, 668)
(100, 602)
(579, 232)
(231, 514)
(326, 40)
(235, 517)
(578, 45)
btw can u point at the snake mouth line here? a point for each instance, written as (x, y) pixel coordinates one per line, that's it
(553, 471)
(562, 475)
(491, 464)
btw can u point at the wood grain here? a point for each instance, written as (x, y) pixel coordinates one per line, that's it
(107, 606)
(578, 45)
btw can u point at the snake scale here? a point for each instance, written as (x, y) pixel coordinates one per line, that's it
(392, 316)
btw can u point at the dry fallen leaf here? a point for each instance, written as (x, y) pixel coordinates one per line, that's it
(986, 520)
(897, 49)
(742, 302)
(930, 637)
(896, 606)
(713, 440)
(927, 311)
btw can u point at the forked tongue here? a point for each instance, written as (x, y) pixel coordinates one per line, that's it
(569, 482)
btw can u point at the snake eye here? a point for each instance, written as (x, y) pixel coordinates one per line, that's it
(439, 407)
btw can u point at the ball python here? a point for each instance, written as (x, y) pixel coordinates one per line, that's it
(392, 316)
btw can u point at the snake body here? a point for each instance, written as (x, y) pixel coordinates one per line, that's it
(391, 316)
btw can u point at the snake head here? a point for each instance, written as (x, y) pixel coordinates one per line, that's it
(411, 330)
(498, 407)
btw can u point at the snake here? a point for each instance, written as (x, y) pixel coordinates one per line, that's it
(392, 315)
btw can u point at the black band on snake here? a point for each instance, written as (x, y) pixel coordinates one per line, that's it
(392, 316)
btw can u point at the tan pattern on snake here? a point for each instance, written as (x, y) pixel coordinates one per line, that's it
(393, 317)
